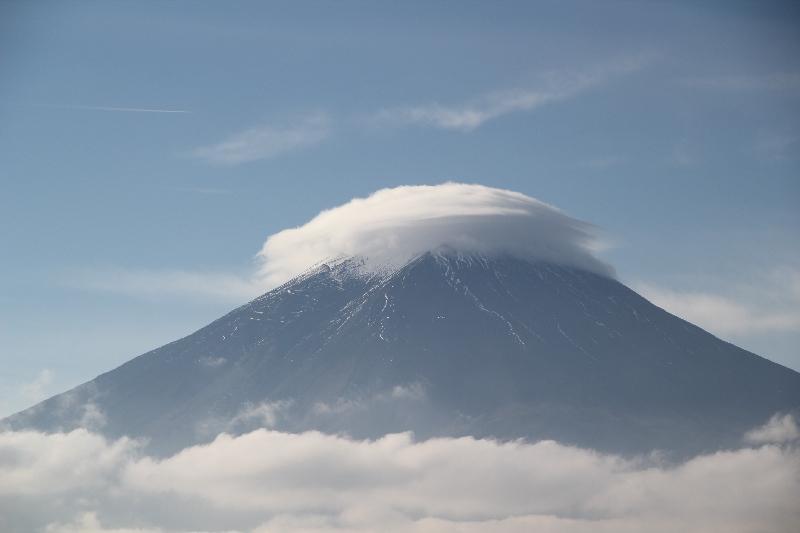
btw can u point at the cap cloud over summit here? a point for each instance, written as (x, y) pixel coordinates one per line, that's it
(391, 226)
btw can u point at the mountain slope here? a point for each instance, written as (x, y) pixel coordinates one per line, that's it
(447, 345)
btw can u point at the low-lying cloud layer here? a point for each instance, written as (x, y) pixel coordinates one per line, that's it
(391, 226)
(267, 481)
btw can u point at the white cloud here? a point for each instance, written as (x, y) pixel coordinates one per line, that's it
(773, 307)
(250, 416)
(212, 362)
(413, 391)
(92, 417)
(59, 463)
(470, 116)
(779, 429)
(556, 86)
(408, 394)
(264, 142)
(17, 395)
(271, 481)
(77, 410)
(391, 226)
(264, 414)
(38, 389)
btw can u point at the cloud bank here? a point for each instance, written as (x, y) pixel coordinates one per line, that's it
(267, 481)
(392, 226)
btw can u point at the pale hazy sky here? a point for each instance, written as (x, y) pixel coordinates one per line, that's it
(149, 148)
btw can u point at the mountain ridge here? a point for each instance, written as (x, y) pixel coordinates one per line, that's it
(449, 344)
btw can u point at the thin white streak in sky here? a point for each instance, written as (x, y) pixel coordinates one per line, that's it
(113, 109)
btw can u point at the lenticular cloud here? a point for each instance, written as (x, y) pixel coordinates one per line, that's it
(392, 226)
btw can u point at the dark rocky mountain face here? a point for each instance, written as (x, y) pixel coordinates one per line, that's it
(447, 345)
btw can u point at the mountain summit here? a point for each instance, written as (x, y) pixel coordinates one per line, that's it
(450, 343)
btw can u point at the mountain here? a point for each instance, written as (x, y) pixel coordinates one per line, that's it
(449, 344)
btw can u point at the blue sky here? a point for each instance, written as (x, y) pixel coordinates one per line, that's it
(149, 148)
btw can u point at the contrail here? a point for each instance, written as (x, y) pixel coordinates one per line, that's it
(119, 109)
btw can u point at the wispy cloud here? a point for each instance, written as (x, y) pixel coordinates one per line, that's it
(779, 429)
(775, 81)
(14, 396)
(555, 86)
(721, 314)
(159, 284)
(39, 388)
(470, 116)
(773, 307)
(113, 108)
(264, 142)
